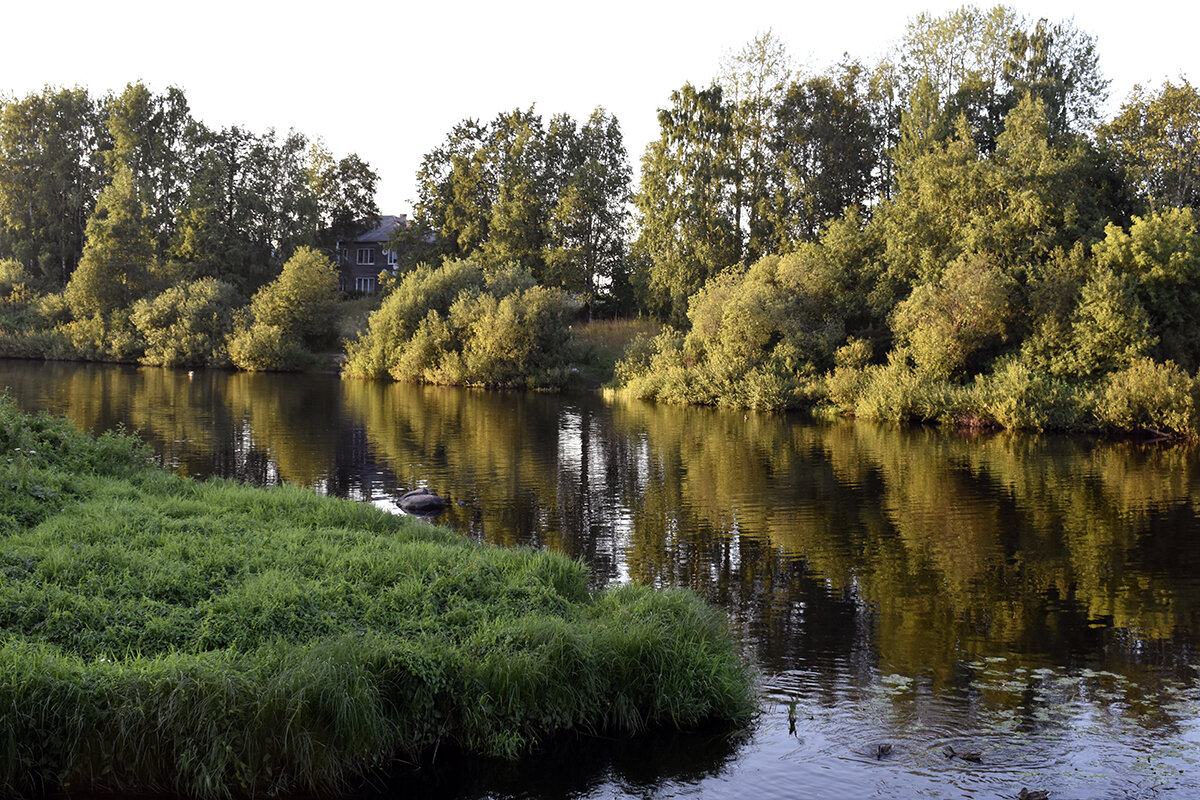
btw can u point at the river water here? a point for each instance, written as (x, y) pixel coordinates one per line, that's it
(1034, 598)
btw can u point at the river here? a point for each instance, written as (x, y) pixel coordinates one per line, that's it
(1034, 598)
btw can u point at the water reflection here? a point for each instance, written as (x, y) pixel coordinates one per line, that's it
(1036, 594)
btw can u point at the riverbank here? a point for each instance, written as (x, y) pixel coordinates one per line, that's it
(209, 639)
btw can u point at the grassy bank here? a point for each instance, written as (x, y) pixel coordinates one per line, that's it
(215, 640)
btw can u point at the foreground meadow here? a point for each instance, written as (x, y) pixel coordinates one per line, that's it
(213, 640)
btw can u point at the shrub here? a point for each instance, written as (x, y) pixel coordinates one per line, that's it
(1147, 395)
(101, 337)
(288, 318)
(501, 331)
(423, 290)
(944, 324)
(759, 333)
(12, 275)
(898, 392)
(846, 383)
(262, 348)
(1016, 397)
(186, 325)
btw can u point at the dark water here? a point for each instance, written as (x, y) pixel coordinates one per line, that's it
(1031, 597)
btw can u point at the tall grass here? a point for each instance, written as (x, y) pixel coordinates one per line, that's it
(603, 343)
(215, 640)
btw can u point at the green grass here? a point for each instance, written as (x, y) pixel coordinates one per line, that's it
(213, 640)
(353, 313)
(604, 342)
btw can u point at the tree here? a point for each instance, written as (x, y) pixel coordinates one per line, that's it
(686, 214)
(488, 190)
(516, 155)
(587, 223)
(962, 56)
(1057, 64)
(980, 64)
(825, 144)
(342, 192)
(114, 269)
(50, 174)
(754, 81)
(256, 199)
(1029, 197)
(550, 199)
(156, 138)
(455, 191)
(219, 228)
(1156, 139)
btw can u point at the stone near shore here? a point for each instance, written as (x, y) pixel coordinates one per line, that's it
(422, 502)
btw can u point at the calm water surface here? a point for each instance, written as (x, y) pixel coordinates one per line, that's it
(1035, 598)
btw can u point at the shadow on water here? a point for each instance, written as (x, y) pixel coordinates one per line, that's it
(1037, 595)
(652, 764)
(647, 765)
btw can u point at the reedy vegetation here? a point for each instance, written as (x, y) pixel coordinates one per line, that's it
(215, 640)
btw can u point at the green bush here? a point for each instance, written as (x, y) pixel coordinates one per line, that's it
(944, 325)
(845, 384)
(101, 337)
(420, 292)
(898, 392)
(655, 369)
(500, 331)
(757, 337)
(186, 325)
(1016, 397)
(12, 276)
(262, 348)
(1147, 395)
(290, 318)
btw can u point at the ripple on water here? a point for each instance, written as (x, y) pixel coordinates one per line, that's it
(1078, 750)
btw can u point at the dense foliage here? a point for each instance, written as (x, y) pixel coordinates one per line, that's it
(1012, 268)
(211, 639)
(550, 199)
(290, 318)
(131, 232)
(457, 325)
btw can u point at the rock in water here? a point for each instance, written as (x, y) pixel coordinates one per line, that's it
(422, 502)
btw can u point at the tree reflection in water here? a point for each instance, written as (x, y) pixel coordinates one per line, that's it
(1015, 583)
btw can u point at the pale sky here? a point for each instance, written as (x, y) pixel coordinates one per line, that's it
(389, 80)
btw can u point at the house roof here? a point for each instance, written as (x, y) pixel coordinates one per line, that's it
(384, 230)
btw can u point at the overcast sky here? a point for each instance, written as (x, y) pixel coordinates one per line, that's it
(388, 80)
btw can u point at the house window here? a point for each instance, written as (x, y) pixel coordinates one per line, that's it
(366, 255)
(364, 284)
(393, 257)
